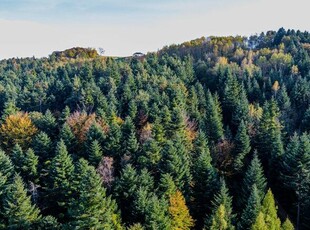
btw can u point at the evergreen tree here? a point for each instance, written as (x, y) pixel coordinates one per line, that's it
(95, 154)
(253, 176)
(17, 157)
(260, 223)
(60, 180)
(269, 211)
(242, 147)
(91, 208)
(205, 179)
(176, 162)
(287, 225)
(251, 210)
(68, 137)
(18, 211)
(42, 145)
(221, 198)
(219, 219)
(6, 166)
(270, 146)
(29, 170)
(213, 120)
(180, 217)
(295, 172)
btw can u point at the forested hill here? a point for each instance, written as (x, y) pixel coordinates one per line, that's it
(209, 134)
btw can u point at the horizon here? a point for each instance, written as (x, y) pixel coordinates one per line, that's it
(32, 28)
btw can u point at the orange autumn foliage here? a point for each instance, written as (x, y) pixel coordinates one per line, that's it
(80, 124)
(17, 129)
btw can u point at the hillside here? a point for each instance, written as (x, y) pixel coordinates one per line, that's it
(209, 134)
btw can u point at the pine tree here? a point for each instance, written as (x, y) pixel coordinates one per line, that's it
(253, 175)
(91, 208)
(60, 179)
(42, 145)
(242, 147)
(295, 172)
(166, 185)
(95, 154)
(130, 143)
(6, 166)
(270, 146)
(18, 211)
(150, 155)
(221, 198)
(29, 170)
(17, 157)
(68, 137)
(219, 219)
(269, 211)
(260, 223)
(251, 210)
(213, 122)
(175, 161)
(152, 210)
(180, 217)
(205, 179)
(287, 225)
(241, 111)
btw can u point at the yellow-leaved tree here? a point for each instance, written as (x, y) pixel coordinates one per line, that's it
(17, 129)
(180, 217)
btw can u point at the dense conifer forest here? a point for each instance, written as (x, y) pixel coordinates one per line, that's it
(209, 134)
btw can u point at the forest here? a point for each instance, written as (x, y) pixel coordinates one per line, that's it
(209, 134)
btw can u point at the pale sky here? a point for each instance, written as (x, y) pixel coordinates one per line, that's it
(122, 27)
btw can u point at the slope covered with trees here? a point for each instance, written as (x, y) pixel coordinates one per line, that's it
(209, 134)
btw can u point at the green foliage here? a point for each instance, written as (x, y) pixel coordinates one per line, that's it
(253, 176)
(18, 210)
(242, 147)
(91, 208)
(148, 126)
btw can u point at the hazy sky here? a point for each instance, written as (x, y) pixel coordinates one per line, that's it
(122, 27)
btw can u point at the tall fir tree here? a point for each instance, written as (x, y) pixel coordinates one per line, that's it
(213, 122)
(18, 211)
(251, 211)
(253, 175)
(91, 208)
(59, 185)
(242, 147)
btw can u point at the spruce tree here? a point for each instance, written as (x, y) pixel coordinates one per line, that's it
(18, 211)
(175, 161)
(68, 137)
(295, 172)
(42, 145)
(219, 219)
(29, 170)
(95, 153)
(287, 225)
(17, 157)
(60, 180)
(251, 210)
(260, 223)
(269, 211)
(213, 122)
(91, 208)
(253, 175)
(205, 179)
(6, 166)
(270, 146)
(221, 198)
(242, 147)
